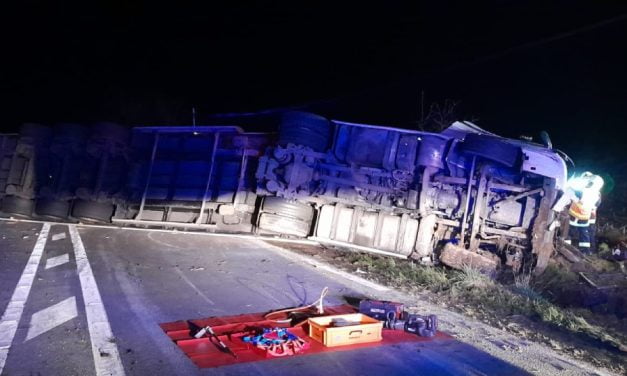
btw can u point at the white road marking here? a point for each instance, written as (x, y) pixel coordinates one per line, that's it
(59, 236)
(15, 308)
(51, 262)
(51, 317)
(106, 356)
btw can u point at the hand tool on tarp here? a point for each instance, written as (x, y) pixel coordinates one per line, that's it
(211, 334)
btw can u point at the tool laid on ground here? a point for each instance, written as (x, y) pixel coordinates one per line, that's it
(395, 317)
(388, 312)
(277, 342)
(380, 309)
(424, 326)
(211, 334)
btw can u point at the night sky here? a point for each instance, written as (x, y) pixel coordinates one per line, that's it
(515, 67)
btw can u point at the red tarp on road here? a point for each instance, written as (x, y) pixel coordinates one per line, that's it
(230, 329)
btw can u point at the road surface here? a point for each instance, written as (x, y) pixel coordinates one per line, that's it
(88, 301)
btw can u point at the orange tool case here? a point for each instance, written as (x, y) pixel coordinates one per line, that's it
(348, 329)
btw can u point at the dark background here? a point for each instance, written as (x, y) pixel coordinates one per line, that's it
(515, 67)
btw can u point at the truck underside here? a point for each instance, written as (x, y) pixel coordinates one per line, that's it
(410, 193)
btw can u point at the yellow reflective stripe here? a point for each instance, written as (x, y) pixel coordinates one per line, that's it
(568, 241)
(584, 244)
(577, 224)
(578, 211)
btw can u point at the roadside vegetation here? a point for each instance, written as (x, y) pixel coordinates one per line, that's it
(471, 286)
(524, 305)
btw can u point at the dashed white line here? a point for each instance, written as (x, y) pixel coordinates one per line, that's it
(51, 317)
(51, 262)
(59, 236)
(13, 312)
(106, 355)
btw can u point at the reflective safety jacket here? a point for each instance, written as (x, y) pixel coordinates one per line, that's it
(580, 211)
(586, 204)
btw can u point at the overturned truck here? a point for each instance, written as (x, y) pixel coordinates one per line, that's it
(405, 192)
(463, 196)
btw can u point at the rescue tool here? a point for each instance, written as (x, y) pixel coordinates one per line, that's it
(395, 317)
(211, 334)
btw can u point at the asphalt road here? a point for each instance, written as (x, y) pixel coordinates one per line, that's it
(85, 301)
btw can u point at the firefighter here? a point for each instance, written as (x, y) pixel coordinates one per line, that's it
(584, 196)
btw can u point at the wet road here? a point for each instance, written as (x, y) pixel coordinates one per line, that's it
(84, 301)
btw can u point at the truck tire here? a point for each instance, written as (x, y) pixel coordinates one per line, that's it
(303, 128)
(92, 210)
(55, 209)
(492, 148)
(285, 208)
(19, 206)
(280, 216)
(278, 224)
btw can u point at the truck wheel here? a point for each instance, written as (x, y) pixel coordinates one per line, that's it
(93, 211)
(303, 128)
(17, 206)
(291, 209)
(55, 209)
(492, 148)
(280, 216)
(278, 224)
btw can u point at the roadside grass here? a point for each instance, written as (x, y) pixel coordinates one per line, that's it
(471, 287)
(401, 272)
